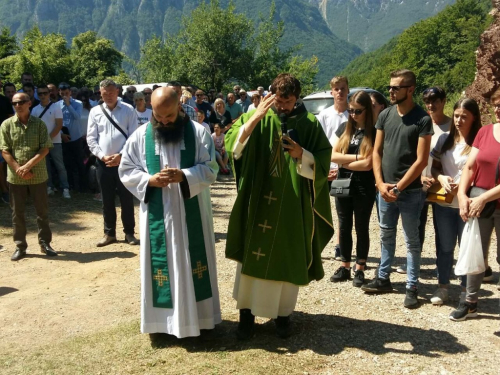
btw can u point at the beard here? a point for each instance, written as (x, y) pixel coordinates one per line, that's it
(399, 101)
(172, 132)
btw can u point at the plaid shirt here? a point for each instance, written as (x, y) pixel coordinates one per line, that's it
(188, 110)
(23, 143)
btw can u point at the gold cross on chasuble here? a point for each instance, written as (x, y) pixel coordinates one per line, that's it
(160, 277)
(259, 254)
(270, 198)
(199, 270)
(265, 226)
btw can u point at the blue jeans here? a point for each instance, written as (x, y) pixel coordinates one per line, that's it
(450, 226)
(409, 204)
(56, 154)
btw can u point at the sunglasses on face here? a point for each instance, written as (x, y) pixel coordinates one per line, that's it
(20, 102)
(355, 111)
(131, 92)
(40, 93)
(396, 88)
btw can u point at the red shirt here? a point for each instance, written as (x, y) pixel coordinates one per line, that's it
(487, 158)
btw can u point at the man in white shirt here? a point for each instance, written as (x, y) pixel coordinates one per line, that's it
(330, 119)
(51, 115)
(106, 141)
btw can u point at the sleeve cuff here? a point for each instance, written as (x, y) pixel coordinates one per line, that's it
(305, 166)
(239, 147)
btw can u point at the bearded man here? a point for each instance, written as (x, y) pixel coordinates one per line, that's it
(281, 220)
(169, 165)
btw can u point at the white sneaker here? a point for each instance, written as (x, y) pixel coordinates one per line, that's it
(66, 194)
(440, 296)
(50, 191)
(401, 269)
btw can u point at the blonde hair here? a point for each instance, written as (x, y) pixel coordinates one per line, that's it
(187, 94)
(338, 79)
(219, 101)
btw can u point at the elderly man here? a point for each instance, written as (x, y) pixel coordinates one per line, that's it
(25, 142)
(244, 101)
(234, 108)
(281, 220)
(169, 165)
(110, 124)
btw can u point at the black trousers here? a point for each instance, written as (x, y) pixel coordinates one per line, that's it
(110, 184)
(18, 197)
(73, 161)
(360, 205)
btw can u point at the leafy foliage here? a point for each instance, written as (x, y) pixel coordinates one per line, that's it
(8, 43)
(439, 50)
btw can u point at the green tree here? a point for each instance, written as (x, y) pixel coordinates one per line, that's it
(93, 59)
(8, 43)
(157, 61)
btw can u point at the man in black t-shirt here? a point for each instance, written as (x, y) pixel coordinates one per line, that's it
(400, 155)
(202, 105)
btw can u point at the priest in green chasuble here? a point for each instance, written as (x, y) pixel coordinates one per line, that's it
(169, 165)
(281, 220)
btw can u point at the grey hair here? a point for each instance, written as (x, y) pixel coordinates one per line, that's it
(138, 95)
(106, 83)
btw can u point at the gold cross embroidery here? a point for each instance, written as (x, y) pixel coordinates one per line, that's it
(265, 226)
(270, 198)
(259, 254)
(160, 277)
(199, 270)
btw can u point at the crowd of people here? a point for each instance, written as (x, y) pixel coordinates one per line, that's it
(166, 145)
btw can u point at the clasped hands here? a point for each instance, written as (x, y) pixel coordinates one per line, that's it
(24, 172)
(112, 160)
(165, 177)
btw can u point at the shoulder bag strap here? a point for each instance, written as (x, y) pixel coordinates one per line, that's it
(48, 106)
(112, 121)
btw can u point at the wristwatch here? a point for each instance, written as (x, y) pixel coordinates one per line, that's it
(396, 191)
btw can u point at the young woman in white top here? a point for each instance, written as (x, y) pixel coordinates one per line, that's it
(449, 157)
(143, 113)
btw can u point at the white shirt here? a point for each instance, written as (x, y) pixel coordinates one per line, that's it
(143, 117)
(330, 121)
(102, 137)
(49, 117)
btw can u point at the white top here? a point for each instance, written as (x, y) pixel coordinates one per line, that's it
(330, 121)
(49, 117)
(102, 137)
(452, 162)
(206, 126)
(251, 107)
(438, 131)
(143, 117)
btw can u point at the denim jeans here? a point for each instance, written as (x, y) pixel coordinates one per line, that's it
(56, 154)
(450, 226)
(409, 205)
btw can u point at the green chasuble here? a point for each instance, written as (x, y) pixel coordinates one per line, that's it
(281, 221)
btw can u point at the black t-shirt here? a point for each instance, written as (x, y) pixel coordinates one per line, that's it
(401, 136)
(5, 109)
(224, 120)
(361, 179)
(206, 108)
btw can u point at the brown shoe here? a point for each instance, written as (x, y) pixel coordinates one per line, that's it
(131, 240)
(106, 240)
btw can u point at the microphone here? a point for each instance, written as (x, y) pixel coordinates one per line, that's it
(283, 120)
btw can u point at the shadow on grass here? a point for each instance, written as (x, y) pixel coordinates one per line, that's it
(325, 335)
(88, 257)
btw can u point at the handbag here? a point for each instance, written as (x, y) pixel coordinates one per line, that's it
(470, 258)
(437, 194)
(341, 187)
(489, 207)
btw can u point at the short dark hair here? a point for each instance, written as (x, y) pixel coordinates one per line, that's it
(408, 76)
(29, 85)
(26, 74)
(66, 86)
(433, 93)
(174, 84)
(285, 85)
(8, 84)
(42, 86)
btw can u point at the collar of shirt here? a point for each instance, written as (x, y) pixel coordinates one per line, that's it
(18, 121)
(119, 104)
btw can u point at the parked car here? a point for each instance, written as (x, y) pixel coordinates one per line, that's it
(320, 100)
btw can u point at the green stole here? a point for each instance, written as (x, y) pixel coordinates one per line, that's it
(162, 296)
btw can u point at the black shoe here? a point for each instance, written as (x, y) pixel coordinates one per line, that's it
(18, 254)
(131, 240)
(337, 252)
(342, 274)
(246, 325)
(488, 275)
(359, 278)
(378, 286)
(464, 310)
(283, 326)
(47, 250)
(411, 300)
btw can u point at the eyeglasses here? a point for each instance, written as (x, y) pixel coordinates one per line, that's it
(20, 102)
(356, 112)
(146, 93)
(40, 93)
(396, 88)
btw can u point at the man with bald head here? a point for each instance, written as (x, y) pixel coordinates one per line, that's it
(169, 165)
(110, 125)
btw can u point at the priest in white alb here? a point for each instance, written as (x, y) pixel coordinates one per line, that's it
(169, 165)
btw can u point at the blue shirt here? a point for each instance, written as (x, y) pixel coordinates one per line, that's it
(71, 117)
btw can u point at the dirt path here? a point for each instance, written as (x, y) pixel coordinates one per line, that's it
(86, 290)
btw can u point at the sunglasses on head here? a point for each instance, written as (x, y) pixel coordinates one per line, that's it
(20, 102)
(396, 88)
(355, 111)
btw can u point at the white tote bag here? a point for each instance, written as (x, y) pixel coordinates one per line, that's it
(470, 258)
